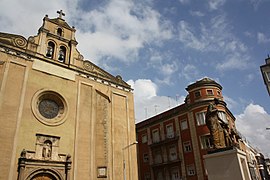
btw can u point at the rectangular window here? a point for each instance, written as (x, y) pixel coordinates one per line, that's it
(172, 153)
(175, 173)
(209, 92)
(170, 132)
(155, 134)
(222, 116)
(268, 76)
(200, 117)
(197, 94)
(184, 125)
(144, 138)
(191, 170)
(157, 157)
(206, 142)
(159, 175)
(218, 93)
(147, 176)
(145, 157)
(187, 146)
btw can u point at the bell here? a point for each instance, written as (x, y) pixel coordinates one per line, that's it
(61, 57)
(49, 52)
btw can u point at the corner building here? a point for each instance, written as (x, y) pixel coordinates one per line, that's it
(172, 144)
(62, 117)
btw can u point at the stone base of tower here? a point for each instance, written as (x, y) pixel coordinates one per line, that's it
(227, 165)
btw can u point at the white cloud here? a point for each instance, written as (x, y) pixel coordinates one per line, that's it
(120, 29)
(147, 102)
(232, 104)
(143, 88)
(217, 37)
(252, 123)
(187, 36)
(215, 4)
(163, 63)
(25, 17)
(257, 3)
(262, 38)
(235, 61)
(197, 13)
(190, 72)
(184, 1)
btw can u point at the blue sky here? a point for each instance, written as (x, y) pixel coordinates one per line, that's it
(161, 46)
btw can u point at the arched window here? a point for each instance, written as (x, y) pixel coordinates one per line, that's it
(59, 32)
(50, 50)
(62, 54)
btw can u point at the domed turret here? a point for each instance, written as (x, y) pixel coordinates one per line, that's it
(204, 89)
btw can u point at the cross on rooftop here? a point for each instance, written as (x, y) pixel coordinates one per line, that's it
(61, 13)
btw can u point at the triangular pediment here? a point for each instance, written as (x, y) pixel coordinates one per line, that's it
(93, 69)
(60, 22)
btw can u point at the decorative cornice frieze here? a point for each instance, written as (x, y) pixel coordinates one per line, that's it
(16, 53)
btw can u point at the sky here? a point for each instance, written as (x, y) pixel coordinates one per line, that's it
(161, 46)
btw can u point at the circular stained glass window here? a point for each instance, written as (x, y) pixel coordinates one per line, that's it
(49, 107)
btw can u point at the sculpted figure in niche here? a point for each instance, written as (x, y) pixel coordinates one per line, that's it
(214, 124)
(47, 150)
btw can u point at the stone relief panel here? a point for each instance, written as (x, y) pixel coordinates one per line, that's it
(47, 147)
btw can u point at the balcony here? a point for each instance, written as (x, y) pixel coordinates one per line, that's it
(164, 162)
(168, 138)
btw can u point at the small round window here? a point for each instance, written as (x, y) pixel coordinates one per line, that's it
(49, 107)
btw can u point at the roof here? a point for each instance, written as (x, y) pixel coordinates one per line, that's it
(62, 22)
(204, 82)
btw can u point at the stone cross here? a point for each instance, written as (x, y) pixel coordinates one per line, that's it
(61, 13)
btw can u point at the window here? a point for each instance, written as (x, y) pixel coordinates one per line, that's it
(268, 76)
(222, 116)
(157, 157)
(197, 94)
(144, 138)
(170, 132)
(145, 157)
(50, 50)
(147, 176)
(62, 54)
(172, 153)
(191, 170)
(184, 125)
(187, 146)
(206, 142)
(59, 32)
(175, 173)
(209, 92)
(200, 117)
(218, 93)
(155, 134)
(160, 175)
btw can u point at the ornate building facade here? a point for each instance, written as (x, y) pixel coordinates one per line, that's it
(62, 117)
(172, 144)
(265, 70)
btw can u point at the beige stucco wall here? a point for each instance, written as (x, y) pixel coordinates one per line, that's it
(99, 124)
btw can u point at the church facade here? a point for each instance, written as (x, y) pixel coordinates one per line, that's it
(62, 117)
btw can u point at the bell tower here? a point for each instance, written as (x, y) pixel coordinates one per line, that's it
(56, 41)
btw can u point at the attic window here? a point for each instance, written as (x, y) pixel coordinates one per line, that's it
(59, 32)
(197, 94)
